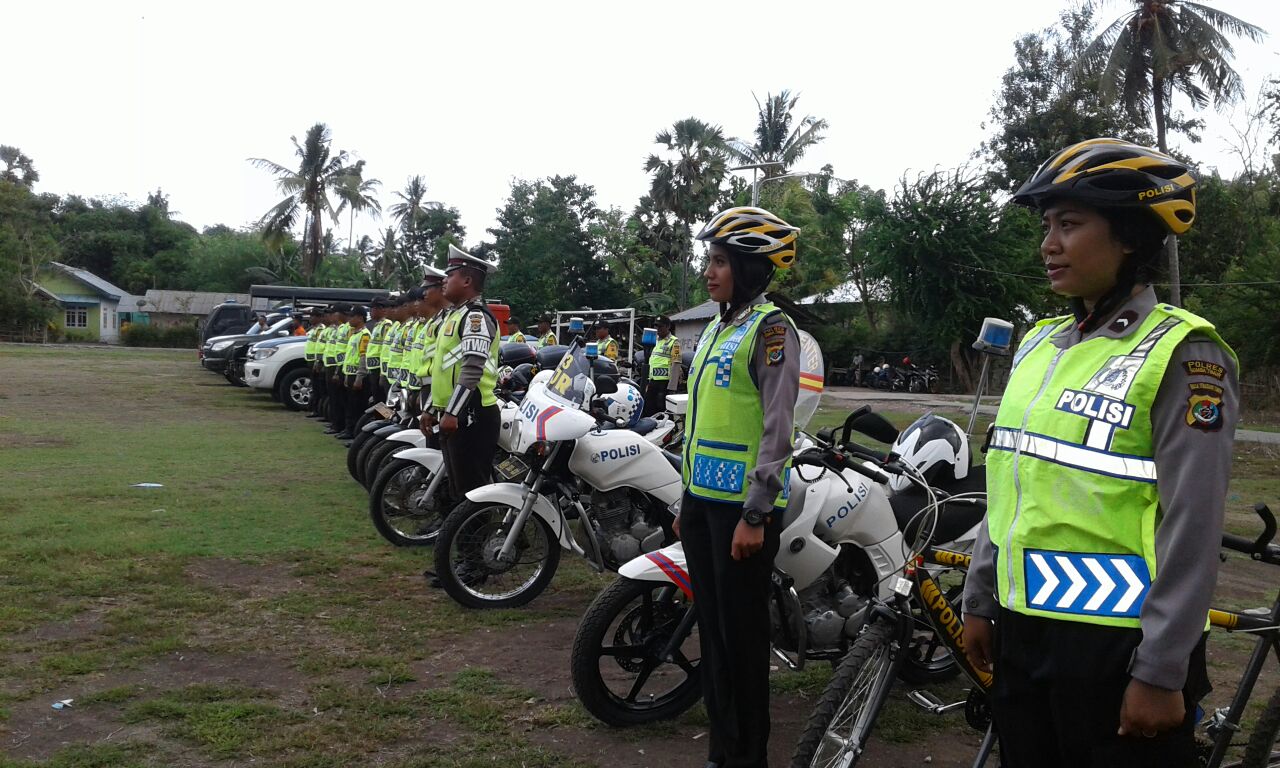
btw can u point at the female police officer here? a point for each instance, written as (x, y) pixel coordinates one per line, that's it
(742, 394)
(1107, 474)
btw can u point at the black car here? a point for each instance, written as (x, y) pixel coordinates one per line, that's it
(218, 351)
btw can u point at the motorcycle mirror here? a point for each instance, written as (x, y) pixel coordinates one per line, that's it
(875, 426)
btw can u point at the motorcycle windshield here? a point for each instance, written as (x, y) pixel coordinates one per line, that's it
(571, 382)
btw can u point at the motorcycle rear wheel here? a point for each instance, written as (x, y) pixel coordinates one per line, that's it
(616, 668)
(399, 509)
(377, 456)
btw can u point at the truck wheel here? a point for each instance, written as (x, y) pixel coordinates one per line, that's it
(295, 389)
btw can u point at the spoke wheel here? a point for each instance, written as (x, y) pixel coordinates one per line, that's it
(400, 508)
(468, 557)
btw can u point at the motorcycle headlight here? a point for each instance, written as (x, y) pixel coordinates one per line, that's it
(220, 346)
(263, 354)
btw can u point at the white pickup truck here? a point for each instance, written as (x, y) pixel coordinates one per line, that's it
(277, 366)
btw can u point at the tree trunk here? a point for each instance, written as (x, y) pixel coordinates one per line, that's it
(960, 364)
(1171, 244)
(317, 235)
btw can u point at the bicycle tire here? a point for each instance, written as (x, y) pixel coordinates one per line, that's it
(1260, 752)
(871, 653)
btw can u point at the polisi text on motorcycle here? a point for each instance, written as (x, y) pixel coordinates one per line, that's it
(612, 454)
(859, 495)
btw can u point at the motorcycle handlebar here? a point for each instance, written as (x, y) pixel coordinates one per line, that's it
(818, 457)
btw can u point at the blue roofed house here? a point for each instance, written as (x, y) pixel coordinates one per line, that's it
(90, 306)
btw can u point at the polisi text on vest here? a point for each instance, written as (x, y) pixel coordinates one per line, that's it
(1115, 412)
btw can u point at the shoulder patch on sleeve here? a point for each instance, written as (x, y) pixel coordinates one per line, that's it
(775, 349)
(775, 330)
(1204, 368)
(1204, 407)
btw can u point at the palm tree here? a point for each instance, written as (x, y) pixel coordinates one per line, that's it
(384, 256)
(307, 190)
(776, 141)
(358, 195)
(409, 210)
(18, 168)
(687, 181)
(1161, 47)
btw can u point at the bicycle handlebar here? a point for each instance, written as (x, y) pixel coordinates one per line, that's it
(1261, 548)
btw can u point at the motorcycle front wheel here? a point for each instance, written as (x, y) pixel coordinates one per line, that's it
(618, 671)
(399, 506)
(468, 563)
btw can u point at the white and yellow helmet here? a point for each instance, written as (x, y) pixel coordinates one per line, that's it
(753, 231)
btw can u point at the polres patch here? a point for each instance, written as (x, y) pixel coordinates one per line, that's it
(775, 351)
(1204, 407)
(1204, 368)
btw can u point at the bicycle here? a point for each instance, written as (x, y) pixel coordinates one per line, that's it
(841, 724)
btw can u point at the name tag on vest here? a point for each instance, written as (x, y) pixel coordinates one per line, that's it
(1115, 412)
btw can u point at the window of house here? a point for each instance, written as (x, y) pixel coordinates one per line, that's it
(77, 317)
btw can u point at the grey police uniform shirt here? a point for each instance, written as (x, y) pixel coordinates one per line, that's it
(478, 329)
(1193, 467)
(779, 385)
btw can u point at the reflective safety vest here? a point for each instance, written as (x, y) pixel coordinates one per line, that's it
(339, 344)
(448, 359)
(660, 362)
(608, 348)
(373, 357)
(725, 419)
(429, 331)
(517, 338)
(414, 357)
(547, 341)
(395, 360)
(384, 347)
(354, 355)
(1071, 475)
(311, 349)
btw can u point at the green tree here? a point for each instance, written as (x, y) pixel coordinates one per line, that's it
(18, 168)
(320, 174)
(1044, 105)
(27, 243)
(547, 254)
(1163, 47)
(686, 179)
(776, 141)
(951, 256)
(359, 195)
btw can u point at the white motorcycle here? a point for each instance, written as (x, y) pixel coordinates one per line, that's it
(845, 536)
(500, 546)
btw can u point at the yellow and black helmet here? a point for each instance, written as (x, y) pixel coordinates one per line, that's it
(1110, 173)
(753, 231)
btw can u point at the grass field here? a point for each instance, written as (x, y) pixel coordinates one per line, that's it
(247, 612)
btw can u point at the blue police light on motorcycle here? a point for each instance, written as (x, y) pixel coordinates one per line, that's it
(576, 325)
(592, 350)
(996, 336)
(649, 337)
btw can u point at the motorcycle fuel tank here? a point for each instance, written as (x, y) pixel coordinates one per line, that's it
(620, 458)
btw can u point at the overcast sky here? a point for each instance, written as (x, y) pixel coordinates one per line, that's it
(119, 98)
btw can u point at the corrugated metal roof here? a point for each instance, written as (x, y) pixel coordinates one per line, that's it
(92, 280)
(194, 302)
(704, 311)
(75, 298)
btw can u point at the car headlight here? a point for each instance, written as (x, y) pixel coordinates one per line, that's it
(263, 354)
(220, 346)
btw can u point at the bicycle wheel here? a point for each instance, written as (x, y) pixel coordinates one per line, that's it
(841, 723)
(1261, 750)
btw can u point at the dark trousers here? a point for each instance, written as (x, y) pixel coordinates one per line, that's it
(319, 391)
(732, 602)
(337, 400)
(468, 452)
(1057, 692)
(655, 397)
(357, 402)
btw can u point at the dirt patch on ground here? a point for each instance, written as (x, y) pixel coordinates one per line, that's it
(246, 579)
(16, 442)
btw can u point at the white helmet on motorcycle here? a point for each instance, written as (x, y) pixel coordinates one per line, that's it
(935, 446)
(626, 404)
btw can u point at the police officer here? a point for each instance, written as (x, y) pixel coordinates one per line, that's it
(463, 375)
(311, 353)
(396, 315)
(334, 354)
(380, 323)
(546, 337)
(664, 368)
(743, 386)
(1106, 478)
(605, 344)
(402, 342)
(517, 336)
(355, 371)
(437, 308)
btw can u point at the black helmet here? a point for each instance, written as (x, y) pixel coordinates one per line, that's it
(1110, 173)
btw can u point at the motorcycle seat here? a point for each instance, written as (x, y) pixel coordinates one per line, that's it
(645, 426)
(953, 519)
(674, 459)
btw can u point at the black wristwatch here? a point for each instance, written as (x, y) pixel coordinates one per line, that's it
(755, 517)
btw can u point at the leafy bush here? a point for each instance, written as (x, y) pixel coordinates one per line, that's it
(138, 335)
